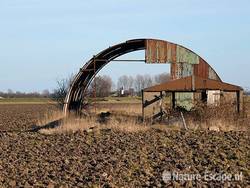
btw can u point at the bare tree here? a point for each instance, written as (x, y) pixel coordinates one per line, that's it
(123, 82)
(130, 82)
(142, 81)
(101, 85)
(148, 81)
(60, 92)
(161, 78)
(139, 83)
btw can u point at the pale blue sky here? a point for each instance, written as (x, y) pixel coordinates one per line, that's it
(45, 40)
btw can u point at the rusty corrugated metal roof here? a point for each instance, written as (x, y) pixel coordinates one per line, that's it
(193, 83)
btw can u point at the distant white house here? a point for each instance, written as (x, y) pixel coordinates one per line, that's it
(1, 97)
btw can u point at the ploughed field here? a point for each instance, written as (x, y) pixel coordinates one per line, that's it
(21, 116)
(112, 158)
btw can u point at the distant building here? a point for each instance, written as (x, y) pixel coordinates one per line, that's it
(122, 91)
(1, 97)
(125, 93)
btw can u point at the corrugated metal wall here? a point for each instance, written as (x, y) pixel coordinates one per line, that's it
(158, 51)
(201, 69)
(183, 55)
(212, 74)
(184, 63)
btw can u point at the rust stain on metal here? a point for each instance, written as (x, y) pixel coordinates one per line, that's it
(201, 69)
(212, 74)
(184, 55)
(193, 83)
(158, 51)
(173, 71)
(173, 52)
(180, 70)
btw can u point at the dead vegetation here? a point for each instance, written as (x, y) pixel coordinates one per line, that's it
(126, 117)
(114, 122)
(220, 118)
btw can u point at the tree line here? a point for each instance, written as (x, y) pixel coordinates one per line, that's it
(101, 86)
(18, 94)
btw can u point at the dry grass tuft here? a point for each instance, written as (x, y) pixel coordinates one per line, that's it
(72, 124)
(222, 118)
(126, 109)
(218, 118)
(126, 125)
(49, 116)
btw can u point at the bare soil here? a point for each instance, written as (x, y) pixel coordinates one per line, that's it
(21, 116)
(114, 158)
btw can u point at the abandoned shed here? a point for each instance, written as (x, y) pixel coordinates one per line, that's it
(192, 77)
(208, 91)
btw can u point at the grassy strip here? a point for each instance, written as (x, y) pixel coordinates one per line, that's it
(47, 100)
(26, 101)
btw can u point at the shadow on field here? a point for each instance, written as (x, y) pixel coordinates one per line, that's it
(49, 125)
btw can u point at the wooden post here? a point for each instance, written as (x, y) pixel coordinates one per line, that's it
(142, 98)
(173, 100)
(183, 121)
(238, 101)
(161, 104)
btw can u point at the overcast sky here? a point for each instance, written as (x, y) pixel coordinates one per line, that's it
(42, 41)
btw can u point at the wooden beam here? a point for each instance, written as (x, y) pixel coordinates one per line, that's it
(173, 100)
(159, 114)
(152, 101)
(238, 101)
(142, 98)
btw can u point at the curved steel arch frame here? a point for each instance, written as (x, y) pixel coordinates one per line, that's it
(75, 95)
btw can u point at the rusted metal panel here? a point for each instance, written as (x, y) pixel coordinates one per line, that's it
(158, 51)
(173, 71)
(173, 52)
(193, 83)
(185, 100)
(180, 70)
(187, 70)
(150, 51)
(212, 74)
(161, 49)
(201, 69)
(184, 55)
(183, 84)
